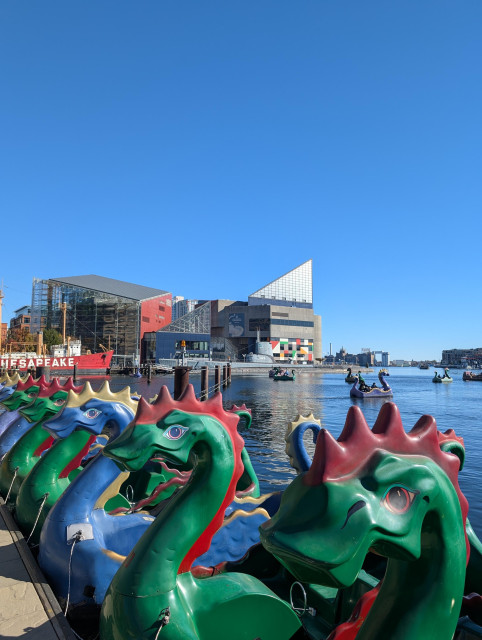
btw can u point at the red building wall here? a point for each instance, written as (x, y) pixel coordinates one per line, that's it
(156, 313)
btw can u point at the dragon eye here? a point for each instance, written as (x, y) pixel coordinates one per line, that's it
(175, 432)
(92, 413)
(32, 394)
(398, 499)
(59, 402)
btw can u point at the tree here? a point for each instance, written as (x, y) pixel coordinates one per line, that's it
(51, 336)
(21, 339)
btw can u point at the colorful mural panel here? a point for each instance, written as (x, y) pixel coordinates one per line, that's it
(293, 348)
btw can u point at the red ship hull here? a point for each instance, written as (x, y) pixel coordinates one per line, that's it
(94, 362)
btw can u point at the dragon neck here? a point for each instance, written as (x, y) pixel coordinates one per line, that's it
(26, 451)
(57, 459)
(421, 599)
(184, 529)
(383, 381)
(300, 455)
(7, 419)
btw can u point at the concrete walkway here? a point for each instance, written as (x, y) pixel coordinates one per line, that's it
(28, 607)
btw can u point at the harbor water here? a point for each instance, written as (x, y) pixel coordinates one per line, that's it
(457, 405)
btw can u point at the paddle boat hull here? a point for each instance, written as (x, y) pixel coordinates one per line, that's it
(468, 375)
(373, 393)
(361, 390)
(445, 378)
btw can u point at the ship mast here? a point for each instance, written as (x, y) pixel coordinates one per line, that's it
(64, 311)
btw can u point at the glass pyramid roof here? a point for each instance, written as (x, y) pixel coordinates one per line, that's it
(296, 286)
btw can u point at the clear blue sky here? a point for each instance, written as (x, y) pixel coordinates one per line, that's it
(206, 148)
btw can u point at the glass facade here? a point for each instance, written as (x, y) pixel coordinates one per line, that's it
(99, 320)
(193, 328)
(295, 288)
(196, 321)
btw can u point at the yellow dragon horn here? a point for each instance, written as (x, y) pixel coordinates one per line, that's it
(105, 393)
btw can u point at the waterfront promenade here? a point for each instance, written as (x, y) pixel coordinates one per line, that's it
(28, 607)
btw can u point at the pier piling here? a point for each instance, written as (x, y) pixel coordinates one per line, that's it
(217, 377)
(225, 376)
(204, 383)
(181, 380)
(43, 371)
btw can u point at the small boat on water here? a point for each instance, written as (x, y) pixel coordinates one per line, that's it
(468, 375)
(360, 388)
(284, 375)
(350, 378)
(445, 378)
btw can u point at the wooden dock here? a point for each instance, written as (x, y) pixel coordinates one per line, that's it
(28, 607)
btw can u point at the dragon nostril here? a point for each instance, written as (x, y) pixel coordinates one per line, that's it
(353, 509)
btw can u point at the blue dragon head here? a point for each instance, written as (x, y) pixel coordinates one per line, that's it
(93, 411)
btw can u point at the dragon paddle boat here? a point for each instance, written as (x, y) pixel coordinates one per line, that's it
(40, 408)
(24, 393)
(397, 494)
(81, 516)
(23, 444)
(8, 385)
(156, 592)
(104, 531)
(361, 390)
(285, 376)
(445, 378)
(59, 463)
(74, 442)
(380, 489)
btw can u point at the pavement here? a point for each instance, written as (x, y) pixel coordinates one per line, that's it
(28, 607)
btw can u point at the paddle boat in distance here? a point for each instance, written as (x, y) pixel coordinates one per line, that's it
(284, 375)
(444, 378)
(361, 390)
(349, 377)
(468, 375)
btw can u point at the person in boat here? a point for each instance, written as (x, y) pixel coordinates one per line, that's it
(362, 385)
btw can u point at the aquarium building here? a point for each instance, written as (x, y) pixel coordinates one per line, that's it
(279, 313)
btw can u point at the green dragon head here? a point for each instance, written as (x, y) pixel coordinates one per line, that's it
(49, 400)
(25, 393)
(201, 435)
(378, 490)
(171, 429)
